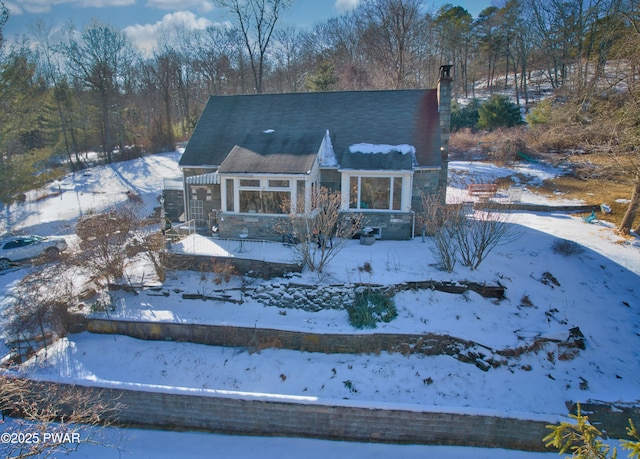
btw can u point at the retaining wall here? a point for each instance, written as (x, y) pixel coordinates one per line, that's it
(244, 266)
(249, 414)
(262, 338)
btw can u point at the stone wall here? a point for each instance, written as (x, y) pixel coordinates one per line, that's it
(424, 182)
(293, 295)
(255, 338)
(264, 227)
(247, 414)
(244, 266)
(393, 225)
(312, 298)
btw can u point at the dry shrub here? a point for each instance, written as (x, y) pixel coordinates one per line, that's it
(504, 144)
(526, 301)
(464, 141)
(51, 415)
(269, 343)
(224, 272)
(566, 247)
(320, 233)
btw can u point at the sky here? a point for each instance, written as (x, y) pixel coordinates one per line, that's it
(144, 19)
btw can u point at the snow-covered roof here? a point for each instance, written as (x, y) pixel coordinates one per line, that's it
(382, 149)
(370, 156)
(327, 156)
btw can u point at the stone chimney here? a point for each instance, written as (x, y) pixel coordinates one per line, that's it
(444, 109)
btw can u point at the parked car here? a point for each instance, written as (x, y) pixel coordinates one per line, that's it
(17, 248)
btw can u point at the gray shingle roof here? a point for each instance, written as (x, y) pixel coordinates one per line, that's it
(375, 117)
(275, 152)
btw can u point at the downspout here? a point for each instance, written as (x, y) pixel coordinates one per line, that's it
(413, 224)
(185, 193)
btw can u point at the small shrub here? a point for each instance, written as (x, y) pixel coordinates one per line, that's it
(348, 384)
(369, 308)
(526, 301)
(224, 272)
(366, 267)
(566, 247)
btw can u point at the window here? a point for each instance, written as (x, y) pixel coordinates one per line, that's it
(264, 202)
(397, 193)
(262, 195)
(254, 183)
(278, 183)
(375, 193)
(300, 196)
(230, 195)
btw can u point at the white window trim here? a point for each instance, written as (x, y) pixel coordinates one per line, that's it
(264, 186)
(405, 199)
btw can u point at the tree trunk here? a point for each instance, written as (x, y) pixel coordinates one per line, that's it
(627, 221)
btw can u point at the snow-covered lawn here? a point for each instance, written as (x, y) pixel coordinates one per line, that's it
(596, 290)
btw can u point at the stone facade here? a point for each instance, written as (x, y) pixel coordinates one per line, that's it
(425, 181)
(260, 227)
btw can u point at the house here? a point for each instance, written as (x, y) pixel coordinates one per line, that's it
(249, 154)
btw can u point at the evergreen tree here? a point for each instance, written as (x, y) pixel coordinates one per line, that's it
(584, 441)
(323, 79)
(463, 116)
(497, 112)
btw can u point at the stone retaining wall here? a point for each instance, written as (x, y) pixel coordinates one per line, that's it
(313, 298)
(255, 339)
(244, 266)
(248, 414)
(262, 338)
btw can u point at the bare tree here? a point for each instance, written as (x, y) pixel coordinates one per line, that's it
(482, 232)
(50, 420)
(461, 234)
(629, 117)
(257, 20)
(337, 43)
(101, 58)
(107, 240)
(318, 235)
(166, 69)
(213, 54)
(37, 310)
(288, 53)
(441, 223)
(390, 32)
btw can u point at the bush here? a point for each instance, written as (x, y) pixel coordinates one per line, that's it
(566, 247)
(497, 112)
(464, 116)
(540, 114)
(369, 308)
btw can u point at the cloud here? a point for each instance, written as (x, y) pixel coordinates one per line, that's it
(14, 8)
(345, 5)
(146, 36)
(33, 6)
(45, 6)
(203, 6)
(104, 3)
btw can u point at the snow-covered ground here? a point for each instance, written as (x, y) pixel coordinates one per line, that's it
(597, 291)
